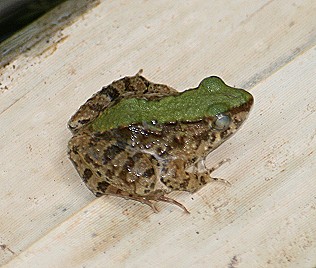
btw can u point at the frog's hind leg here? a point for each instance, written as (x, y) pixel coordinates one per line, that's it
(113, 191)
(147, 200)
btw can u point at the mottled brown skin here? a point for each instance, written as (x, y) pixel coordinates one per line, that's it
(144, 162)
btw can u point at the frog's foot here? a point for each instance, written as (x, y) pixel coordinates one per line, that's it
(144, 201)
(218, 165)
(119, 193)
(147, 200)
(210, 170)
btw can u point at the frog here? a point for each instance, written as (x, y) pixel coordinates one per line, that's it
(141, 140)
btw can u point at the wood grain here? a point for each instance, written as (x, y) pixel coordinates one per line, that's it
(267, 218)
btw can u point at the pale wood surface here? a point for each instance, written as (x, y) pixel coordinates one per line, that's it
(267, 218)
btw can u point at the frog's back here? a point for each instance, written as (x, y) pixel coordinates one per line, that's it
(126, 87)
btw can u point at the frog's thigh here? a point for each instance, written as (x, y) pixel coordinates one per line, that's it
(102, 162)
(124, 169)
(96, 182)
(139, 172)
(177, 178)
(93, 181)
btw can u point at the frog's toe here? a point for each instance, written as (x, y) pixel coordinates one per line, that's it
(151, 204)
(172, 201)
(218, 165)
(222, 180)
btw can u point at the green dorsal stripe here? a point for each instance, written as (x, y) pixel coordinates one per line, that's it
(212, 97)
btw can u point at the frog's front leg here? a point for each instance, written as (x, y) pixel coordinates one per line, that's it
(210, 170)
(178, 177)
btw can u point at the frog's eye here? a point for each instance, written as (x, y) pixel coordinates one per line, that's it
(222, 122)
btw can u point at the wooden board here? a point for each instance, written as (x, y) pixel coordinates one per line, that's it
(266, 218)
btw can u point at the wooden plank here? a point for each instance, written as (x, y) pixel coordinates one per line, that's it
(267, 216)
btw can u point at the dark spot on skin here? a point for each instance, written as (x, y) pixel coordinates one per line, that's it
(88, 159)
(146, 191)
(145, 81)
(99, 173)
(149, 172)
(184, 184)
(178, 140)
(223, 134)
(127, 83)
(204, 135)
(212, 137)
(87, 175)
(109, 173)
(84, 121)
(96, 165)
(92, 142)
(121, 144)
(97, 107)
(105, 136)
(110, 91)
(129, 164)
(126, 169)
(137, 157)
(102, 186)
(75, 149)
(202, 180)
(167, 182)
(110, 153)
(194, 159)
(134, 84)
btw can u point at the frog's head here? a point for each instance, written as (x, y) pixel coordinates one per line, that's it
(221, 98)
(225, 108)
